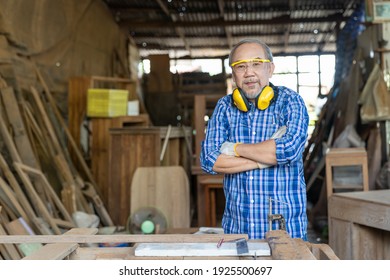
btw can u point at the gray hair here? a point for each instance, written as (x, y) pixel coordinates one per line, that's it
(266, 49)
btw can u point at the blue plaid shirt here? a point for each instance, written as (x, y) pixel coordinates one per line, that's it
(247, 193)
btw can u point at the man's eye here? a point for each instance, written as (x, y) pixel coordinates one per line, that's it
(256, 64)
(240, 67)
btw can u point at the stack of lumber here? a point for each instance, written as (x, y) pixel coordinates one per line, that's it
(40, 188)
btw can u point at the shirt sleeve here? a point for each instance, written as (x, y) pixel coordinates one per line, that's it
(289, 148)
(216, 135)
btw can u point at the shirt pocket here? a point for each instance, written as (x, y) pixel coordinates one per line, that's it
(266, 125)
(239, 128)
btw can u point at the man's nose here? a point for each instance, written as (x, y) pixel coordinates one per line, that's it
(249, 70)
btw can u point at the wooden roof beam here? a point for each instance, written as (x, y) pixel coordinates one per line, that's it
(220, 22)
(178, 30)
(229, 38)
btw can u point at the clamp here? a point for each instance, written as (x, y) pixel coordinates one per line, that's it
(275, 217)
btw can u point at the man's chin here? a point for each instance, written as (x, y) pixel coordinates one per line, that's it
(251, 96)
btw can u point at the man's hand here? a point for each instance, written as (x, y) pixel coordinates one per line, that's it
(227, 148)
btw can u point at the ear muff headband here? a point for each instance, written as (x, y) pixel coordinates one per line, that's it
(262, 101)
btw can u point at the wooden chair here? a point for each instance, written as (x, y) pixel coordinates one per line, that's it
(345, 157)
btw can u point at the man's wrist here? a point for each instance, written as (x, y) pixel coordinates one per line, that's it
(235, 149)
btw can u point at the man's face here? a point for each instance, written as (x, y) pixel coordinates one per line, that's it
(251, 76)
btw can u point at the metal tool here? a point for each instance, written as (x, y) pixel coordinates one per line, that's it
(275, 217)
(241, 245)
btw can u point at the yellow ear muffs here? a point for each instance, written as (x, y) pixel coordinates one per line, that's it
(265, 98)
(262, 100)
(240, 100)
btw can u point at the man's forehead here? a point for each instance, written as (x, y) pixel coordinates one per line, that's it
(248, 51)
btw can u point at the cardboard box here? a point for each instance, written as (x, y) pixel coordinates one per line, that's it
(107, 102)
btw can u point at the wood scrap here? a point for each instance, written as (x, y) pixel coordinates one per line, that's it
(71, 189)
(57, 203)
(41, 207)
(8, 212)
(46, 121)
(120, 238)
(59, 251)
(36, 133)
(9, 250)
(19, 227)
(19, 193)
(286, 248)
(64, 170)
(11, 197)
(20, 147)
(9, 141)
(20, 138)
(73, 145)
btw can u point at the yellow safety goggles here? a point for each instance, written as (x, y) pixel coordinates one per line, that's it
(252, 60)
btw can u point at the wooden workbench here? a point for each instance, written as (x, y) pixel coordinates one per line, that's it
(359, 225)
(70, 245)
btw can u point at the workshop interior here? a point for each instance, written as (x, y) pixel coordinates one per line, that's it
(105, 105)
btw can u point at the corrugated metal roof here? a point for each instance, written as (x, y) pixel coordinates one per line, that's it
(209, 28)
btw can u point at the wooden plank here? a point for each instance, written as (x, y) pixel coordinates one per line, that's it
(21, 140)
(57, 202)
(102, 253)
(367, 243)
(77, 104)
(283, 247)
(12, 198)
(322, 251)
(53, 252)
(35, 197)
(386, 249)
(41, 146)
(7, 138)
(121, 238)
(60, 251)
(200, 112)
(30, 213)
(342, 245)
(9, 248)
(19, 227)
(46, 121)
(72, 143)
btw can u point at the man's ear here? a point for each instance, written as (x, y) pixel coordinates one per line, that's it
(233, 79)
(271, 69)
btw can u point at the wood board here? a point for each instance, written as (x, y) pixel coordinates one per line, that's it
(199, 249)
(165, 188)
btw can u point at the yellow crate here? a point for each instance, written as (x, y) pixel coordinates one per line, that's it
(107, 102)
